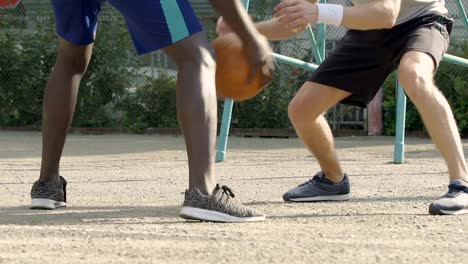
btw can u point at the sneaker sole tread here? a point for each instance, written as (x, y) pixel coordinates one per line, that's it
(433, 210)
(342, 197)
(192, 213)
(46, 204)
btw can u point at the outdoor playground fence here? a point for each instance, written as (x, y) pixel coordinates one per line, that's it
(130, 93)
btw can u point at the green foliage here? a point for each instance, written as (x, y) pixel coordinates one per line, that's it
(107, 79)
(267, 110)
(453, 82)
(28, 58)
(116, 93)
(152, 104)
(26, 62)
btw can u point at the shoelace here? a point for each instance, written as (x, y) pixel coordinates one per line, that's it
(227, 191)
(455, 190)
(311, 181)
(228, 194)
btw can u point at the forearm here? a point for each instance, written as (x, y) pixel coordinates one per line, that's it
(273, 29)
(373, 15)
(236, 17)
(364, 15)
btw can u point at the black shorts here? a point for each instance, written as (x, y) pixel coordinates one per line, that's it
(364, 58)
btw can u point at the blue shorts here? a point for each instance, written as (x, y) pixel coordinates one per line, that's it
(153, 24)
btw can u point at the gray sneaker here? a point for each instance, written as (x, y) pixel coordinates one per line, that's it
(319, 188)
(45, 195)
(218, 207)
(454, 202)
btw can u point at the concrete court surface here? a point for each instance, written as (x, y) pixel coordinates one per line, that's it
(125, 192)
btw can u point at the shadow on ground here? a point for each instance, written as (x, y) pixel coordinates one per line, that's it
(148, 214)
(87, 215)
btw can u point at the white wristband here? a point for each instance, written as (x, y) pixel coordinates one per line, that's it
(330, 14)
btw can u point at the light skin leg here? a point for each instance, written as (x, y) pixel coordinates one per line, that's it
(59, 104)
(306, 113)
(416, 74)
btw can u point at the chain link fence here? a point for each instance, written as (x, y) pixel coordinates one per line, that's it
(130, 93)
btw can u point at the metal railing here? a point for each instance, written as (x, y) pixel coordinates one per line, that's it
(318, 49)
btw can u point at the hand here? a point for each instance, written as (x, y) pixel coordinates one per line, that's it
(289, 29)
(296, 13)
(222, 27)
(260, 58)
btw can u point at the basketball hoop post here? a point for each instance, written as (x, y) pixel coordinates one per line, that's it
(226, 121)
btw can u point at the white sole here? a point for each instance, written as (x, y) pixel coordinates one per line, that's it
(459, 212)
(342, 197)
(192, 213)
(46, 204)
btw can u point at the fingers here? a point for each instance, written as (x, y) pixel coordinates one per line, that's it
(288, 10)
(298, 23)
(268, 71)
(302, 27)
(291, 18)
(294, 14)
(260, 58)
(285, 4)
(266, 66)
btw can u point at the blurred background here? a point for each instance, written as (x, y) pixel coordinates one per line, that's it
(124, 92)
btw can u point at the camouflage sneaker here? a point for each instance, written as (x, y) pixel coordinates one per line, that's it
(45, 195)
(218, 207)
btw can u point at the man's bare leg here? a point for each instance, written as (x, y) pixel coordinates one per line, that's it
(197, 107)
(306, 113)
(196, 111)
(59, 104)
(416, 74)
(49, 192)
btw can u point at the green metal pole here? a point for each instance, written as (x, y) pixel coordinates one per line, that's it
(399, 151)
(224, 131)
(313, 45)
(455, 60)
(462, 12)
(295, 62)
(322, 36)
(226, 121)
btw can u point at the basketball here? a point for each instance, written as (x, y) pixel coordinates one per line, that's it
(233, 69)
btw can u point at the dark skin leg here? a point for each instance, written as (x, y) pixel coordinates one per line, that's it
(196, 104)
(196, 107)
(59, 104)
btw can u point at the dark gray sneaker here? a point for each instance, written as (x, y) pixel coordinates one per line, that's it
(218, 207)
(319, 189)
(454, 202)
(45, 195)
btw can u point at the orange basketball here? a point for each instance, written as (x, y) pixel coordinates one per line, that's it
(232, 70)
